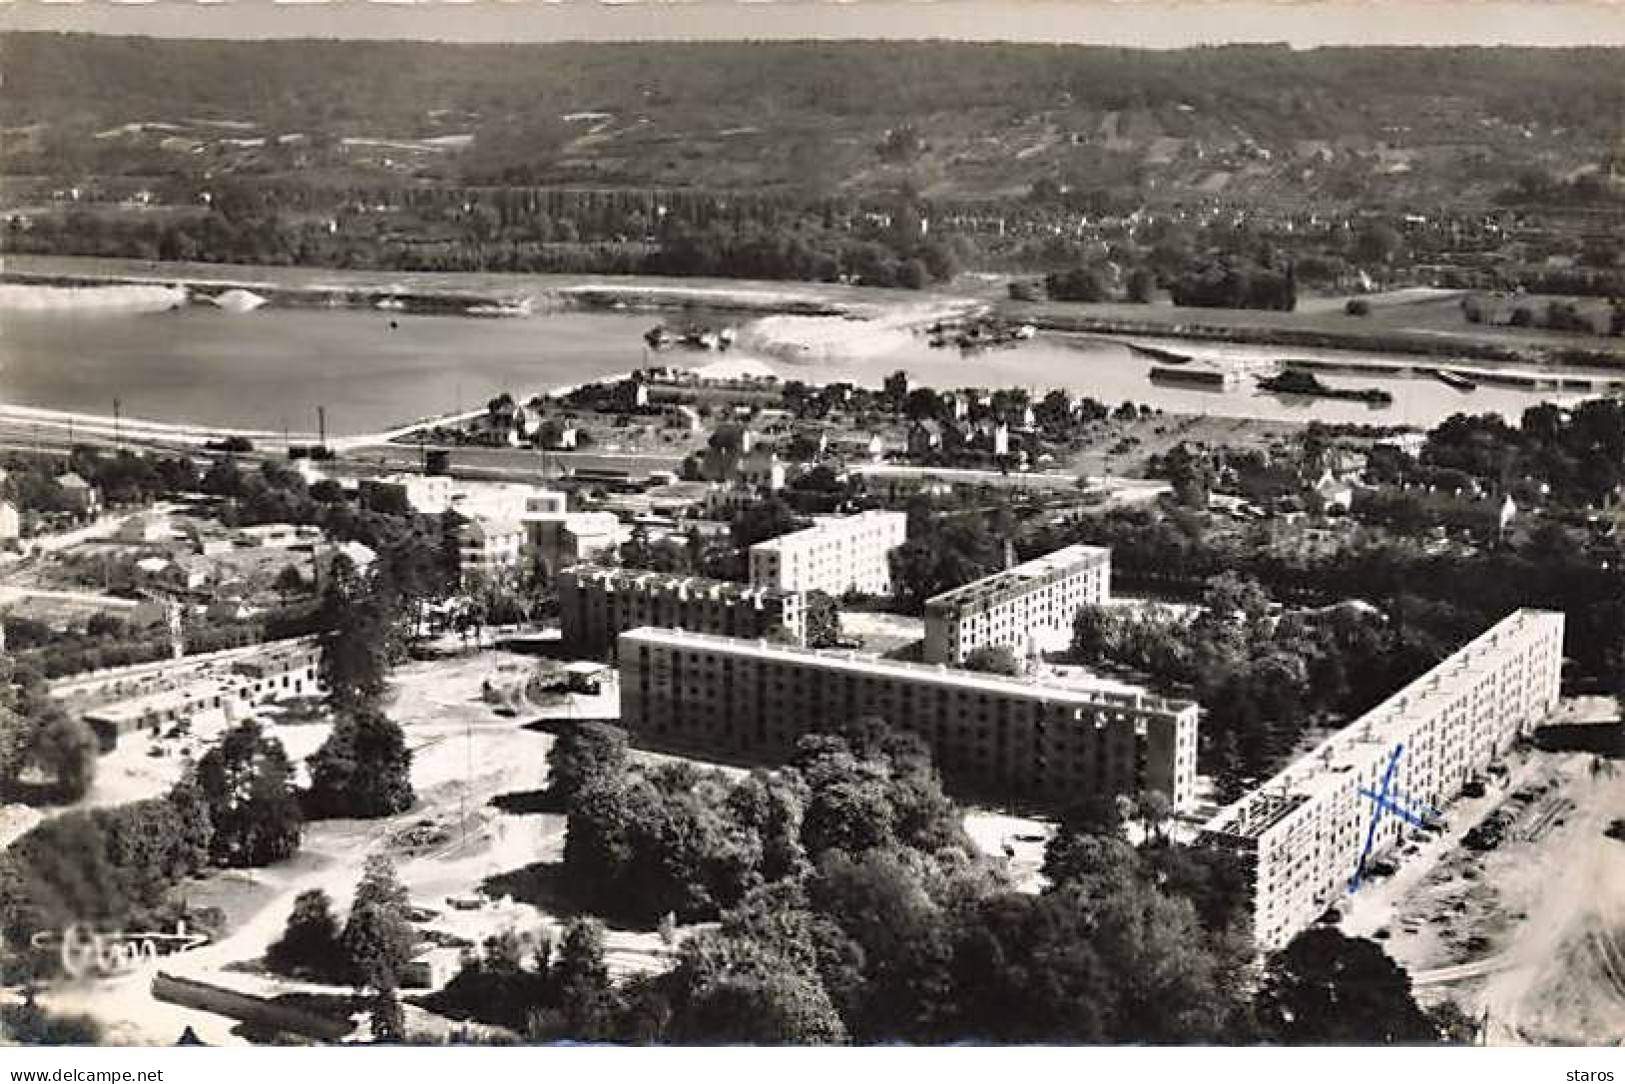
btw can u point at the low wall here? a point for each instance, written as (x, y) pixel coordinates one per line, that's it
(257, 1011)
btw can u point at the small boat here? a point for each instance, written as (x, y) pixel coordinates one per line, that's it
(1455, 380)
(1201, 375)
(1301, 382)
(520, 307)
(391, 304)
(1157, 353)
(1025, 331)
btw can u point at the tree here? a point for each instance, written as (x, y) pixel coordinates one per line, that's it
(377, 939)
(586, 996)
(993, 659)
(956, 552)
(290, 583)
(66, 749)
(357, 638)
(246, 782)
(27, 1024)
(760, 521)
(1326, 988)
(310, 945)
(1078, 284)
(1377, 243)
(851, 815)
(387, 1022)
(1155, 811)
(1099, 864)
(363, 769)
(1454, 1024)
(586, 755)
(1141, 286)
(764, 1003)
(823, 620)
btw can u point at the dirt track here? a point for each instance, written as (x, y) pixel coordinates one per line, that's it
(1530, 937)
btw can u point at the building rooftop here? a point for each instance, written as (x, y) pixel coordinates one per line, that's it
(480, 528)
(1025, 576)
(693, 586)
(1371, 737)
(830, 525)
(1075, 692)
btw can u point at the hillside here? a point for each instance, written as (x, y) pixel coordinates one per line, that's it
(952, 121)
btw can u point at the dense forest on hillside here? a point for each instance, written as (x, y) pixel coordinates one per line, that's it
(964, 119)
(1285, 93)
(876, 162)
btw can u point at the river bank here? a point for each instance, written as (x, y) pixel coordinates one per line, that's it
(1311, 331)
(478, 294)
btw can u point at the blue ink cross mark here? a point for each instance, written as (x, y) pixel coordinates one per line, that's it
(1384, 801)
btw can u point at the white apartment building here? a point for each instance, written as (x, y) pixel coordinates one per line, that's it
(489, 548)
(993, 736)
(506, 500)
(561, 539)
(1302, 837)
(836, 555)
(426, 494)
(1025, 608)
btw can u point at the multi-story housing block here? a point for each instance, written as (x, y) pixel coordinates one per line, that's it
(1021, 608)
(836, 555)
(1304, 836)
(993, 736)
(596, 604)
(488, 548)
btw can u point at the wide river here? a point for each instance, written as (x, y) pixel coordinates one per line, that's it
(270, 369)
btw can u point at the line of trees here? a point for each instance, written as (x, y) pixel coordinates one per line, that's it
(1264, 677)
(1175, 554)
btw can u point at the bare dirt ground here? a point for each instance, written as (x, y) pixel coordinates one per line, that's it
(882, 633)
(465, 758)
(1530, 936)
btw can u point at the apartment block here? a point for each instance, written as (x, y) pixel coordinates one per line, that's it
(837, 555)
(596, 604)
(561, 539)
(489, 548)
(1304, 836)
(992, 736)
(215, 693)
(1023, 608)
(428, 494)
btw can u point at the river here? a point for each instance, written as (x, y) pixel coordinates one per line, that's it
(270, 369)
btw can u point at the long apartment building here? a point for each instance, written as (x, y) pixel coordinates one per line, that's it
(991, 735)
(596, 604)
(1021, 608)
(223, 689)
(836, 555)
(1302, 837)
